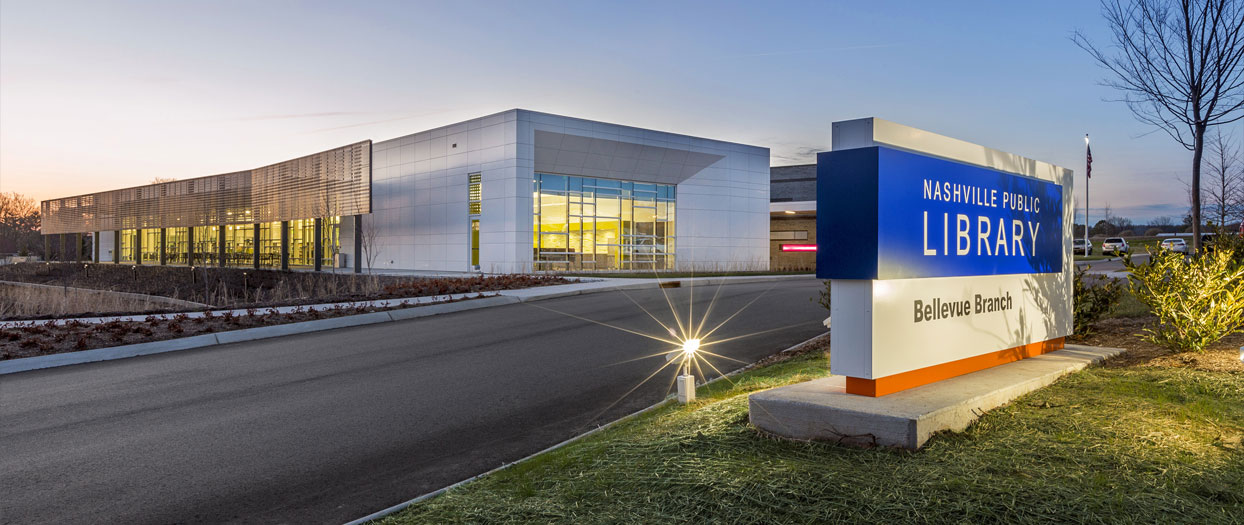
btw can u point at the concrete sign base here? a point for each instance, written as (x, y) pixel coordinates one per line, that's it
(822, 410)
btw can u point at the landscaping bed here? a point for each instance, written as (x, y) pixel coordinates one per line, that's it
(46, 338)
(244, 288)
(1147, 438)
(1123, 332)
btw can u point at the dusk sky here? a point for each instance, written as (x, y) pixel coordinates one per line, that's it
(101, 95)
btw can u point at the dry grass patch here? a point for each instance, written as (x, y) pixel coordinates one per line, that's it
(1114, 444)
(22, 302)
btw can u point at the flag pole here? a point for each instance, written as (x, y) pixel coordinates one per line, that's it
(1088, 174)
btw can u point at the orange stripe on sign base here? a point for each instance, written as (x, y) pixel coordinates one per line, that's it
(932, 374)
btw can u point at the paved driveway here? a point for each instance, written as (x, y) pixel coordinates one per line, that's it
(331, 426)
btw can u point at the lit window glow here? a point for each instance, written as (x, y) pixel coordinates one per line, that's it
(798, 247)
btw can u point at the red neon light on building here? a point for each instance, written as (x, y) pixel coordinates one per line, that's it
(798, 247)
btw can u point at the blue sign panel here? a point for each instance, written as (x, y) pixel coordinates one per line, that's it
(884, 213)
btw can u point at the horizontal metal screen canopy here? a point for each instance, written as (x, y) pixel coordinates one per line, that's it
(336, 182)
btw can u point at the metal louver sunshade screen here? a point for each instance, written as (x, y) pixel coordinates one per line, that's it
(336, 182)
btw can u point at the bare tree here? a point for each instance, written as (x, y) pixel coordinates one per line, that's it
(1180, 67)
(19, 223)
(370, 236)
(1223, 179)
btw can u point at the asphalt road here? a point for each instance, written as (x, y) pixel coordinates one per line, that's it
(331, 426)
(1112, 265)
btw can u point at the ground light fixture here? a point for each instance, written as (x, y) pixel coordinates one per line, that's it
(688, 338)
(686, 381)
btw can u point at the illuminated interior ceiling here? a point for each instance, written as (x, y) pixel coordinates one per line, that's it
(613, 159)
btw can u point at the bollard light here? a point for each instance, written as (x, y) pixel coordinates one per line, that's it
(686, 381)
(690, 346)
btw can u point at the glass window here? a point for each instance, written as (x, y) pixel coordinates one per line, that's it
(175, 245)
(206, 245)
(330, 239)
(150, 247)
(270, 244)
(474, 242)
(240, 244)
(474, 195)
(583, 223)
(474, 206)
(302, 242)
(129, 238)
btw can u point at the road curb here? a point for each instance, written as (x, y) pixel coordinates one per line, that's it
(27, 364)
(237, 336)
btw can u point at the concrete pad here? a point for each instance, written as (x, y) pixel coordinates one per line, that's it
(822, 410)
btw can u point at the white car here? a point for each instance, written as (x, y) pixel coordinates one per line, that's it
(1082, 247)
(1174, 245)
(1115, 245)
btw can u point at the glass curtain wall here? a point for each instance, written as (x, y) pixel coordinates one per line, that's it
(150, 247)
(175, 240)
(330, 239)
(269, 244)
(583, 223)
(128, 242)
(239, 244)
(205, 245)
(301, 242)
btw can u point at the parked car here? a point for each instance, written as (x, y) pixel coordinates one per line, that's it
(1115, 245)
(1174, 245)
(1081, 247)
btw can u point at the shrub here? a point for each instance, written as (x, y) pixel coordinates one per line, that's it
(1228, 241)
(1127, 233)
(822, 297)
(1197, 300)
(1092, 301)
(1153, 232)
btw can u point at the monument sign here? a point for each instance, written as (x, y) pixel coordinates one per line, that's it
(944, 257)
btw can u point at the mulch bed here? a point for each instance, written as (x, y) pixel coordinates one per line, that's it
(1223, 356)
(241, 287)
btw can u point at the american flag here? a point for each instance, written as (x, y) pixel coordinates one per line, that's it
(1088, 164)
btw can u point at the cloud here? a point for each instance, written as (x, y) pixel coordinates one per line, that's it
(794, 154)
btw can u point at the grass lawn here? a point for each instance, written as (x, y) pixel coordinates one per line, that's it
(1126, 442)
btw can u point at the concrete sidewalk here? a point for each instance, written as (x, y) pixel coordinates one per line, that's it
(457, 303)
